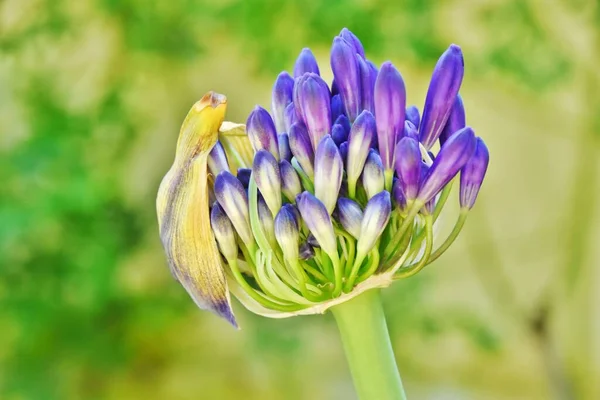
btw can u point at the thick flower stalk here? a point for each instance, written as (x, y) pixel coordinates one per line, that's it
(333, 194)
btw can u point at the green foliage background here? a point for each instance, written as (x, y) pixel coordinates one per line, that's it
(92, 93)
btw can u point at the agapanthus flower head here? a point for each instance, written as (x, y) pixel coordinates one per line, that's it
(334, 193)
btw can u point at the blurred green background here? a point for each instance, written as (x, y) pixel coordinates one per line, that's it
(92, 94)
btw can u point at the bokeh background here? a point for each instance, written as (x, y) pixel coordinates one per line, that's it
(92, 94)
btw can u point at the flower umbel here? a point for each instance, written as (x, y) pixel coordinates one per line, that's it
(343, 190)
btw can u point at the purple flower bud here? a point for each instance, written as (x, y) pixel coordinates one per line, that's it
(312, 240)
(296, 97)
(429, 207)
(282, 97)
(334, 89)
(317, 219)
(314, 98)
(343, 121)
(361, 135)
(453, 155)
(290, 183)
(472, 174)
(390, 103)
(301, 148)
(368, 76)
(265, 171)
(373, 179)
(290, 116)
(347, 76)
(408, 166)
(398, 194)
(375, 219)
(338, 134)
(243, 175)
(232, 197)
(412, 115)
(283, 140)
(344, 151)
(224, 233)
(265, 217)
(445, 83)
(329, 168)
(456, 120)
(373, 67)
(337, 108)
(350, 216)
(306, 251)
(287, 233)
(261, 131)
(410, 131)
(305, 63)
(353, 41)
(217, 159)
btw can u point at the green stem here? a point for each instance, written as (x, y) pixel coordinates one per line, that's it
(367, 345)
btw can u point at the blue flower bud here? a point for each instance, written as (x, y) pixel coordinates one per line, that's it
(398, 195)
(344, 151)
(301, 148)
(261, 131)
(453, 155)
(410, 131)
(361, 135)
(306, 251)
(312, 240)
(375, 219)
(373, 179)
(283, 140)
(408, 166)
(305, 63)
(314, 98)
(290, 182)
(290, 117)
(243, 175)
(347, 76)
(373, 67)
(456, 120)
(329, 169)
(472, 174)
(338, 134)
(349, 215)
(287, 233)
(317, 219)
(445, 83)
(334, 90)
(353, 41)
(224, 233)
(429, 207)
(296, 97)
(282, 97)
(265, 171)
(265, 216)
(390, 103)
(368, 76)
(412, 115)
(344, 122)
(232, 197)
(217, 159)
(337, 107)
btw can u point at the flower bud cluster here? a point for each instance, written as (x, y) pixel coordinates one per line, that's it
(343, 185)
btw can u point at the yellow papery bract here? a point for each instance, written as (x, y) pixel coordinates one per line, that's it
(183, 210)
(235, 141)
